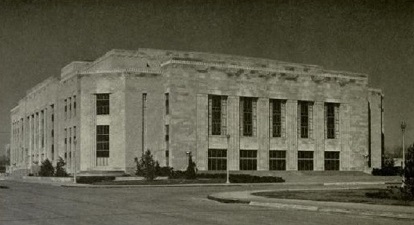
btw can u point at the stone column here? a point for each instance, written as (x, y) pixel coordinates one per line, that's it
(45, 132)
(319, 136)
(263, 133)
(202, 131)
(39, 137)
(344, 126)
(233, 129)
(291, 135)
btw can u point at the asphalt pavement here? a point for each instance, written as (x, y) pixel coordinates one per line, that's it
(31, 203)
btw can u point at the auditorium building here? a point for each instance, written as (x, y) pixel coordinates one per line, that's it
(243, 113)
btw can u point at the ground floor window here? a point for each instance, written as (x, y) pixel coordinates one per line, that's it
(248, 160)
(331, 160)
(277, 160)
(217, 159)
(102, 145)
(305, 160)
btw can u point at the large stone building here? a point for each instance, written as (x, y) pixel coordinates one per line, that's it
(240, 112)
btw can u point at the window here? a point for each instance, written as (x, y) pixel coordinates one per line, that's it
(102, 141)
(70, 107)
(167, 103)
(276, 117)
(167, 157)
(217, 159)
(167, 133)
(305, 160)
(305, 119)
(331, 120)
(70, 139)
(248, 116)
(331, 160)
(102, 104)
(42, 128)
(217, 114)
(52, 116)
(277, 160)
(65, 137)
(66, 108)
(248, 160)
(74, 105)
(53, 152)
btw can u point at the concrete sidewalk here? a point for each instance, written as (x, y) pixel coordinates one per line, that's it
(332, 181)
(246, 197)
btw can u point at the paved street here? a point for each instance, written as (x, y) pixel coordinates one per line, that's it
(29, 203)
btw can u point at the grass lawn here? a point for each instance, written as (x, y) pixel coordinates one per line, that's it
(356, 195)
(162, 182)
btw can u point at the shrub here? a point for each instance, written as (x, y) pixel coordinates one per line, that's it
(388, 168)
(177, 174)
(245, 178)
(396, 193)
(386, 171)
(60, 168)
(242, 178)
(146, 166)
(46, 169)
(164, 171)
(409, 172)
(94, 179)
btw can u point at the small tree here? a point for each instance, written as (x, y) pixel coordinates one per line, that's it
(146, 166)
(60, 168)
(409, 171)
(46, 169)
(190, 173)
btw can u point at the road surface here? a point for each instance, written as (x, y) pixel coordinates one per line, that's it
(30, 203)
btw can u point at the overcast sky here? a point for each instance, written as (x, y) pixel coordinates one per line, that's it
(38, 38)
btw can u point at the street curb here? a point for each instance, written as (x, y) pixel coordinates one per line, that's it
(360, 183)
(78, 185)
(144, 186)
(223, 185)
(299, 207)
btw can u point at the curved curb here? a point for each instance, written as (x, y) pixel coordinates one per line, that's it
(224, 200)
(313, 208)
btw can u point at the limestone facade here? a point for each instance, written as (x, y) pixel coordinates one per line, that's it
(164, 101)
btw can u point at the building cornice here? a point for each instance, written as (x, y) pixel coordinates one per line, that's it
(322, 73)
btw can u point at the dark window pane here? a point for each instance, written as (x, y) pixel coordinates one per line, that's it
(332, 161)
(330, 120)
(247, 116)
(102, 141)
(216, 115)
(248, 160)
(217, 159)
(276, 118)
(304, 119)
(305, 160)
(102, 104)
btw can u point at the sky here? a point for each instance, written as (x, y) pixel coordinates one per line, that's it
(38, 38)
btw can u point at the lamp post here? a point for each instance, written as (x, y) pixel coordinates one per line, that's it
(228, 160)
(403, 126)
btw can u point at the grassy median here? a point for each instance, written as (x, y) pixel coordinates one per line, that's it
(353, 195)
